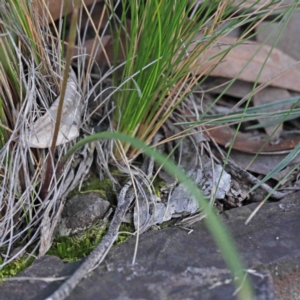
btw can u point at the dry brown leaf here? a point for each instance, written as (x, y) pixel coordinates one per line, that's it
(55, 6)
(250, 57)
(100, 55)
(95, 49)
(224, 135)
(95, 14)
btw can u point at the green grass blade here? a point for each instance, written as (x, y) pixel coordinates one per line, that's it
(285, 162)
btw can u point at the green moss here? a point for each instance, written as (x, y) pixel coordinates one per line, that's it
(69, 248)
(78, 246)
(15, 267)
(93, 184)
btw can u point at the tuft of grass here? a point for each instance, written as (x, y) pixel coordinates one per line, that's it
(153, 78)
(22, 46)
(164, 44)
(24, 67)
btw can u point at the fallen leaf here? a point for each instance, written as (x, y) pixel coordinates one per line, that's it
(41, 133)
(93, 48)
(103, 52)
(224, 136)
(57, 6)
(249, 62)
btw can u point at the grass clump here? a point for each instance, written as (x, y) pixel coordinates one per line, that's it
(163, 52)
(155, 80)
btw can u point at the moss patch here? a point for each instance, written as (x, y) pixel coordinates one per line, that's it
(67, 248)
(78, 246)
(93, 184)
(15, 267)
(74, 247)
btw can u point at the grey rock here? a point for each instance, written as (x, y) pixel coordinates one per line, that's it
(172, 264)
(80, 212)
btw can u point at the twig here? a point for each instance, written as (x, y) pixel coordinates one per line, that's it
(44, 279)
(125, 198)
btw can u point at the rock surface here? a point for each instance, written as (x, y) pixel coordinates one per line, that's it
(172, 264)
(80, 212)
